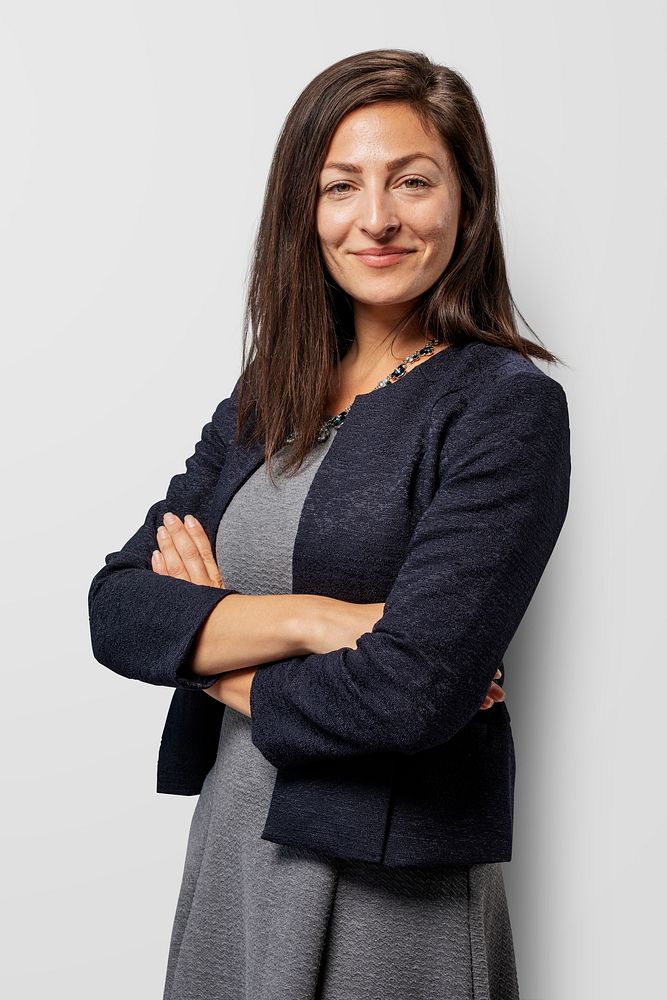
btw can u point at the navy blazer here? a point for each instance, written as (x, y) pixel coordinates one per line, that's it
(442, 495)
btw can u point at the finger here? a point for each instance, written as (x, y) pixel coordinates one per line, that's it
(494, 694)
(497, 693)
(158, 563)
(187, 549)
(170, 555)
(200, 539)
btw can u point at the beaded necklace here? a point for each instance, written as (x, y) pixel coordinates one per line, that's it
(398, 372)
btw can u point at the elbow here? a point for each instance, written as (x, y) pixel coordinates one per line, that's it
(95, 620)
(100, 615)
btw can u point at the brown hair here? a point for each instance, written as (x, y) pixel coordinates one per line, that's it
(301, 319)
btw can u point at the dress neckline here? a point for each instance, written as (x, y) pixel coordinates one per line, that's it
(361, 396)
(375, 396)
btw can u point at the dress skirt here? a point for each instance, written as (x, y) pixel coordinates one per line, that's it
(256, 920)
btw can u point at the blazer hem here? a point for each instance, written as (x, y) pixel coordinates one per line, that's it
(417, 855)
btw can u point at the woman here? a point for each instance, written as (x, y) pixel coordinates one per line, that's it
(332, 584)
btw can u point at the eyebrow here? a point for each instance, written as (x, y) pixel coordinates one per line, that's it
(352, 168)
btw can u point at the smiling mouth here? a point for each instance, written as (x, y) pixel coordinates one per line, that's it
(383, 258)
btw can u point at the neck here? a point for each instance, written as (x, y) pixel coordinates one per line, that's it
(376, 342)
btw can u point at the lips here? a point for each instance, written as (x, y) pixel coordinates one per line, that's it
(382, 256)
(381, 251)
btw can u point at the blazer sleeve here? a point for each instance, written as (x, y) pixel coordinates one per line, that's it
(142, 624)
(472, 565)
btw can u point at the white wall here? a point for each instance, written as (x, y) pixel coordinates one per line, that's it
(136, 139)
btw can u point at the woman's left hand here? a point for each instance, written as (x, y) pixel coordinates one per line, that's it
(185, 553)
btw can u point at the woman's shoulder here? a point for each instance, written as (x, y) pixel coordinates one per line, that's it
(486, 368)
(496, 386)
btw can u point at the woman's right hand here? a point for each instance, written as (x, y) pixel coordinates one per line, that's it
(341, 623)
(494, 694)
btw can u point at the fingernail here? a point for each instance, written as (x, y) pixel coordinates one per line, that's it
(190, 521)
(162, 532)
(169, 518)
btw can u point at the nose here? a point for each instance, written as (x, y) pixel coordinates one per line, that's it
(377, 214)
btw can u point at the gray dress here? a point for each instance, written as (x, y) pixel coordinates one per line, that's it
(262, 921)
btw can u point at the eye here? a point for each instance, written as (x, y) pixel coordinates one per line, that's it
(420, 180)
(419, 185)
(336, 185)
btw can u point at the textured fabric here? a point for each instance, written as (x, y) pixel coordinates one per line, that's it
(264, 921)
(443, 495)
(465, 581)
(257, 920)
(143, 624)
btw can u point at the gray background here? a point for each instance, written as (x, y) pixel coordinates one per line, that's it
(136, 141)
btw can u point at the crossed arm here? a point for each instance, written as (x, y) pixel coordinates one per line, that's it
(246, 630)
(405, 682)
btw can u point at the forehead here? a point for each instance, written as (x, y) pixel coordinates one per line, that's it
(383, 131)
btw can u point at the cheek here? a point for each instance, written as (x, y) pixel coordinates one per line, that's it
(438, 232)
(331, 227)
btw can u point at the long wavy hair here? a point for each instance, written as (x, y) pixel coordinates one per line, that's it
(301, 320)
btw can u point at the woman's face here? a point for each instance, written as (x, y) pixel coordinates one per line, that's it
(368, 200)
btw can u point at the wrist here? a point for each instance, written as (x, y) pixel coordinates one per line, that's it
(305, 622)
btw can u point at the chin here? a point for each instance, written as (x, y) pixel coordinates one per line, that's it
(369, 298)
(373, 295)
